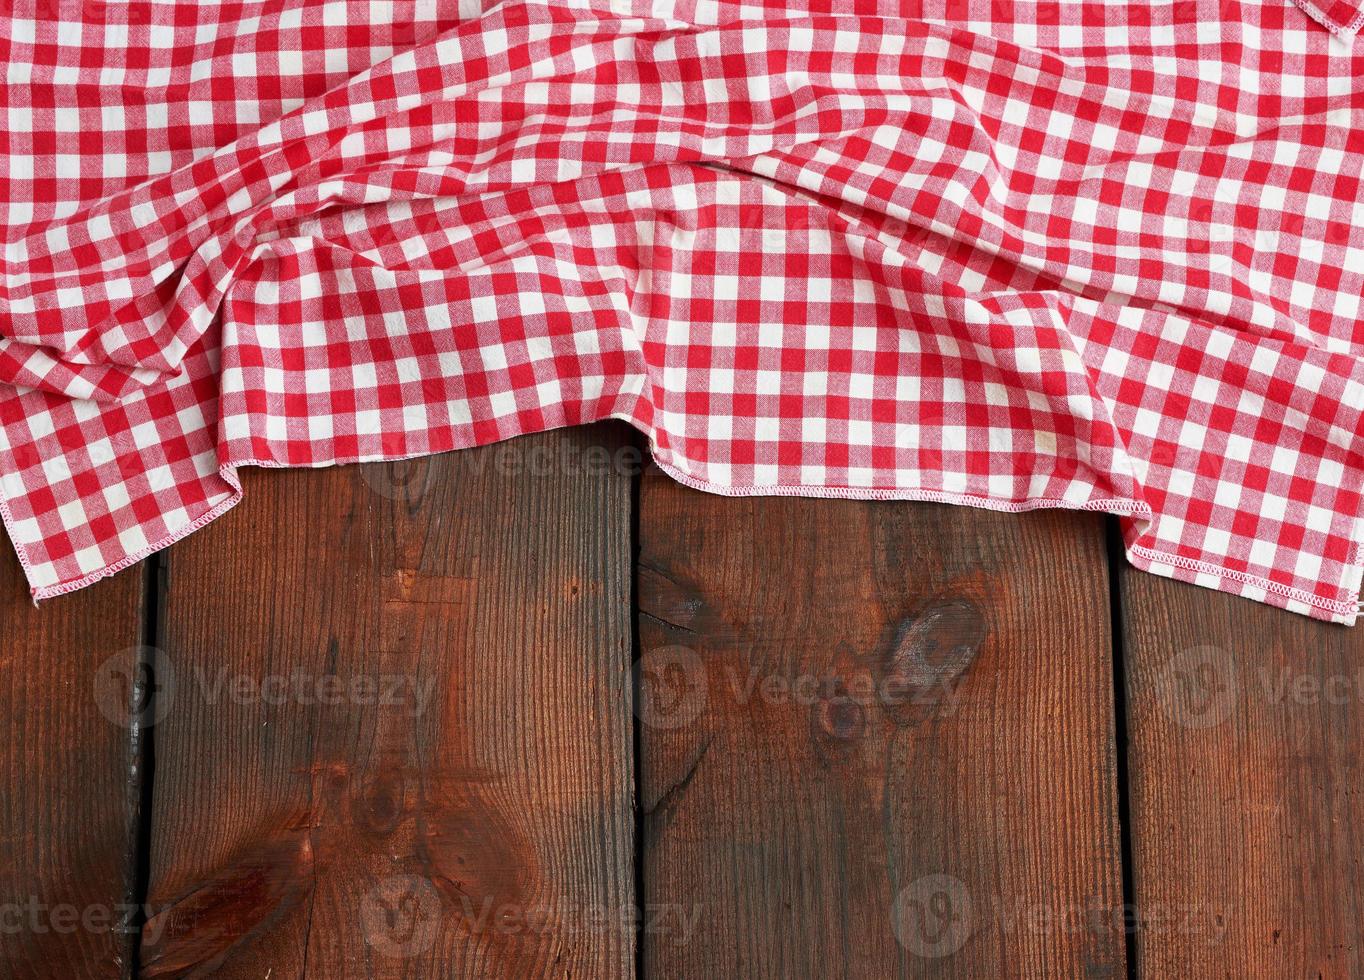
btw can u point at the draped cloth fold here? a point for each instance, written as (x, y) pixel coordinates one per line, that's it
(1006, 254)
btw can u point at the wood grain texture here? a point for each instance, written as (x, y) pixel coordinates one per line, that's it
(67, 673)
(877, 740)
(1245, 728)
(401, 743)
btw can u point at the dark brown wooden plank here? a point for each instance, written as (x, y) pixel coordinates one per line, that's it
(877, 740)
(481, 825)
(67, 672)
(1245, 728)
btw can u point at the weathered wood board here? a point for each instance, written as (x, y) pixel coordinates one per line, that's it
(401, 743)
(70, 708)
(1246, 729)
(878, 740)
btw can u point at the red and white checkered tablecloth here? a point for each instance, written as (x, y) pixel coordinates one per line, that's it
(1006, 253)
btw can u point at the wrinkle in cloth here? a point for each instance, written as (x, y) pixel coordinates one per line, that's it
(1005, 254)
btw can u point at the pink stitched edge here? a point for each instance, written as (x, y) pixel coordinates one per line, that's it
(1133, 508)
(1336, 607)
(62, 588)
(7, 519)
(1311, 9)
(1355, 565)
(1347, 609)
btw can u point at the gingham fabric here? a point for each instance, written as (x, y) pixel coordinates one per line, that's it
(1096, 255)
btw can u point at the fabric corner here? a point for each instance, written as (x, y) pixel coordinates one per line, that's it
(1342, 18)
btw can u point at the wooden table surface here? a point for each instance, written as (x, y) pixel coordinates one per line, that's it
(527, 711)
